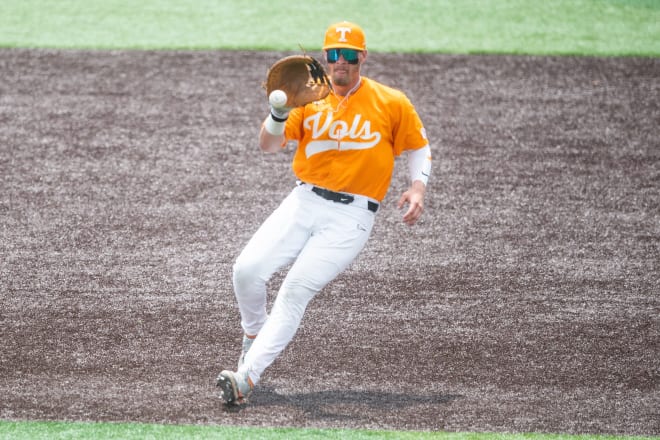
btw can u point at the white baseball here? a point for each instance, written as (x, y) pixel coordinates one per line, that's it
(277, 98)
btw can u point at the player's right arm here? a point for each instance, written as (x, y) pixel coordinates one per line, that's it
(271, 136)
(268, 141)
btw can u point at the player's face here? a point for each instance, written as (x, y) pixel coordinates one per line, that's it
(344, 66)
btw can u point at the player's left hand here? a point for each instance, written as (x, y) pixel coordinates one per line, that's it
(414, 197)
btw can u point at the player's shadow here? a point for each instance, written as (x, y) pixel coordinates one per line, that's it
(341, 404)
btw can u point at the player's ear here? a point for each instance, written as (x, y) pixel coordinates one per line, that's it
(363, 56)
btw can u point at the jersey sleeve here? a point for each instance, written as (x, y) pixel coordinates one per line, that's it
(409, 133)
(293, 130)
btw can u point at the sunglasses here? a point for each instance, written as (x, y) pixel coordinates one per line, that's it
(350, 55)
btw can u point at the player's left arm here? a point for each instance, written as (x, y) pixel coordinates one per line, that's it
(419, 166)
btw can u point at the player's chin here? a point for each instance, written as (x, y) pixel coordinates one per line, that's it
(340, 79)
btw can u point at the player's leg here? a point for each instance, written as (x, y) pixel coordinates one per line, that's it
(326, 254)
(276, 243)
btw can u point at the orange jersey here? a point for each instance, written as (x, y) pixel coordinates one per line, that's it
(350, 146)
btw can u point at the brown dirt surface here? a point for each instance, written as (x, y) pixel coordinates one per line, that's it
(525, 300)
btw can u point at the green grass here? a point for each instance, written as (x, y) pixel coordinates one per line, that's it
(128, 431)
(584, 27)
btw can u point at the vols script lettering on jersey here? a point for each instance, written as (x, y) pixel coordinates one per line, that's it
(364, 132)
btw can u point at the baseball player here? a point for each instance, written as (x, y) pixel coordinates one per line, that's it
(346, 147)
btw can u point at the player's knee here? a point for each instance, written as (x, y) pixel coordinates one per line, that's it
(294, 302)
(246, 273)
(296, 293)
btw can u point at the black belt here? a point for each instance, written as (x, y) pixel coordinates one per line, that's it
(342, 198)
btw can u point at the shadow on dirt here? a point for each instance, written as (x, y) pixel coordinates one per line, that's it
(341, 404)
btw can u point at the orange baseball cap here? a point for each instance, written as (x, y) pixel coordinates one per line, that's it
(344, 34)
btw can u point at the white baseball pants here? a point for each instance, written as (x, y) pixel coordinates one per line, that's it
(321, 238)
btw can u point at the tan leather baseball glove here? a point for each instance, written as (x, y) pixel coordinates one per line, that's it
(301, 77)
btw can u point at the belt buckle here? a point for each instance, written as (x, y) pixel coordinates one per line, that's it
(345, 198)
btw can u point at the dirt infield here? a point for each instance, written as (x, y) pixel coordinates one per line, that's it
(526, 300)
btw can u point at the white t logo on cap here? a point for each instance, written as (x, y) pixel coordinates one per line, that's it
(343, 31)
